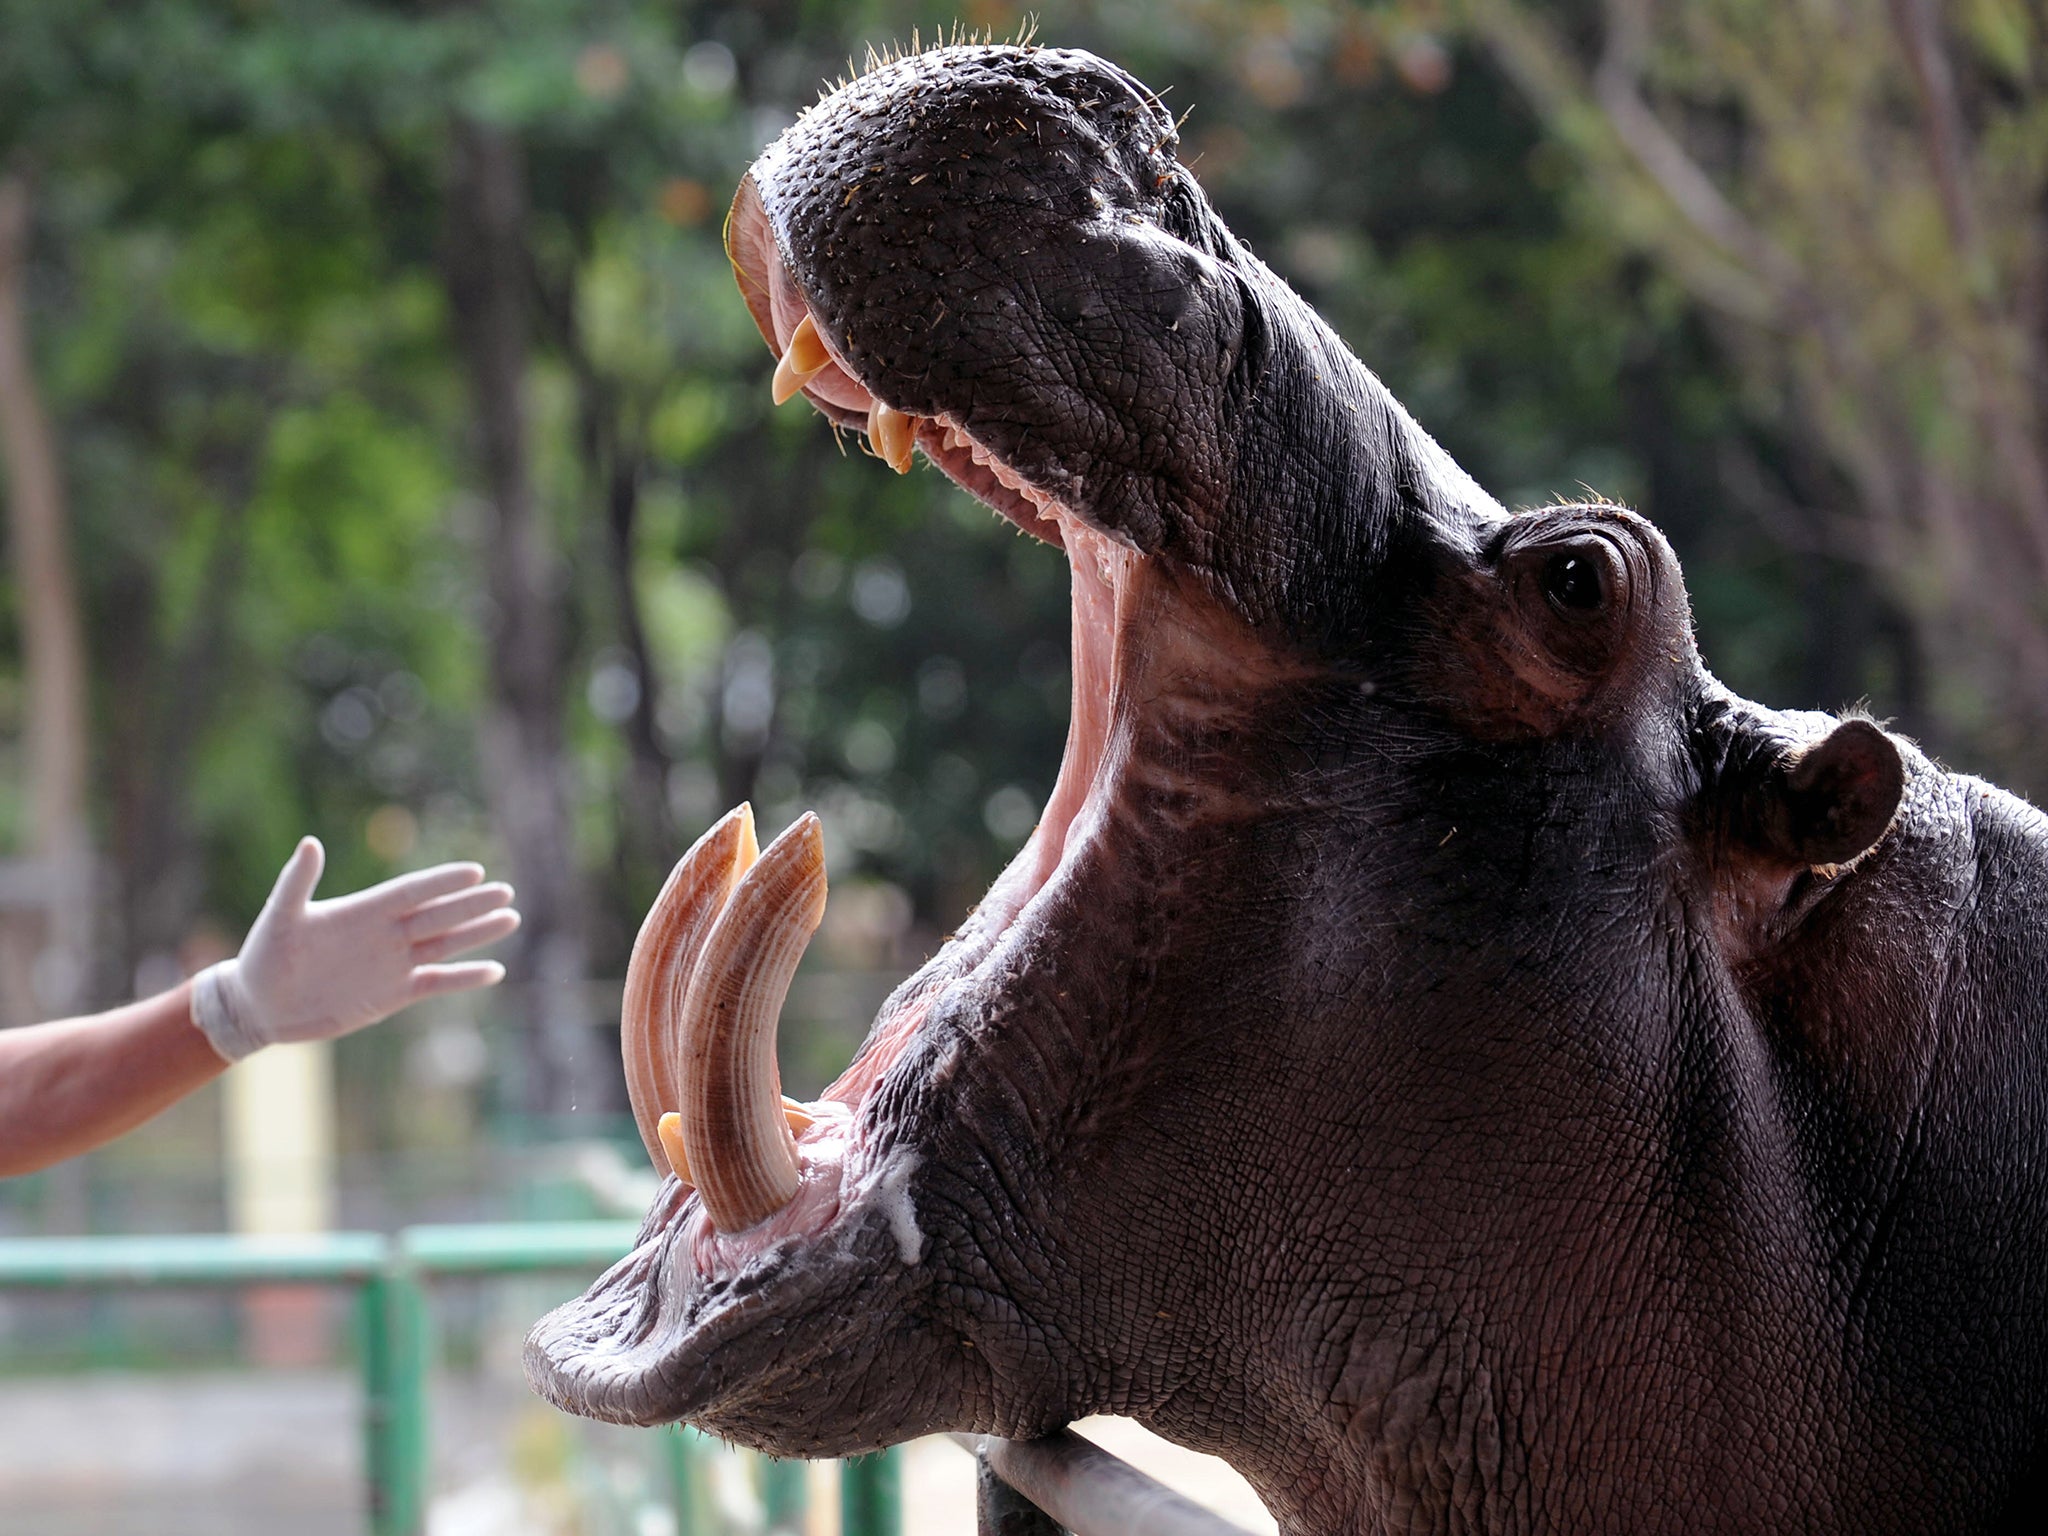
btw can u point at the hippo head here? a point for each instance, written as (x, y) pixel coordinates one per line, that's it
(1413, 1055)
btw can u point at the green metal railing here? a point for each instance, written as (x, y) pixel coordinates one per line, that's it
(391, 1277)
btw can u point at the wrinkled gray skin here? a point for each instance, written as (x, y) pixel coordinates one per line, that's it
(1468, 1068)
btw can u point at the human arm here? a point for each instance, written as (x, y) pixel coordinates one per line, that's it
(309, 970)
(70, 1085)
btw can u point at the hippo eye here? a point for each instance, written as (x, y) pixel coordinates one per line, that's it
(1573, 587)
(1575, 580)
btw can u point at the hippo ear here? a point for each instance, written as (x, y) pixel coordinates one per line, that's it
(1834, 799)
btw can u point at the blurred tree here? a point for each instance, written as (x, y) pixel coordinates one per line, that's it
(1859, 188)
(53, 649)
(487, 261)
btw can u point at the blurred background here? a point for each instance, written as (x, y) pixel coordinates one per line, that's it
(386, 454)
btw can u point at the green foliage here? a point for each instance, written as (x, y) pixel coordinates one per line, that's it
(1854, 189)
(270, 447)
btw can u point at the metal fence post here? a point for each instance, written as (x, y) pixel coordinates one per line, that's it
(870, 1495)
(785, 1490)
(376, 1364)
(686, 1491)
(373, 1360)
(396, 1348)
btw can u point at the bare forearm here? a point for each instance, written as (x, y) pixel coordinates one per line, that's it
(73, 1084)
(309, 970)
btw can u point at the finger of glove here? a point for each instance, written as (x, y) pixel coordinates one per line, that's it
(439, 916)
(470, 935)
(433, 980)
(408, 891)
(301, 873)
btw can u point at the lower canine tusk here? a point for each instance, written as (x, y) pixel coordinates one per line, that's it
(664, 954)
(670, 1130)
(735, 1135)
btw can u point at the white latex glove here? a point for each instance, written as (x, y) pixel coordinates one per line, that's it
(311, 970)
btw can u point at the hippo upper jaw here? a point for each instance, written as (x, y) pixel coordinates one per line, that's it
(992, 255)
(974, 236)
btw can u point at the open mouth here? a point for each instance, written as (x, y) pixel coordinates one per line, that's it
(716, 954)
(824, 1277)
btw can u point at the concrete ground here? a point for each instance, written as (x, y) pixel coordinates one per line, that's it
(243, 1453)
(170, 1455)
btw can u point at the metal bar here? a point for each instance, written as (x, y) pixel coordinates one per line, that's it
(516, 1247)
(1091, 1492)
(373, 1359)
(1000, 1510)
(198, 1258)
(871, 1495)
(395, 1413)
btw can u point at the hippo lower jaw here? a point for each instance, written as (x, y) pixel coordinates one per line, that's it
(729, 1323)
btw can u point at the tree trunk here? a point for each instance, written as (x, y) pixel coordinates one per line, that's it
(615, 461)
(486, 269)
(159, 700)
(650, 825)
(53, 647)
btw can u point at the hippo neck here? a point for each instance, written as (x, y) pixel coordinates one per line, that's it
(1689, 1257)
(1329, 460)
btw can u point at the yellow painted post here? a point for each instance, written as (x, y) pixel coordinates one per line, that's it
(279, 1107)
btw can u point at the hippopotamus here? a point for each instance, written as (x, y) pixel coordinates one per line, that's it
(1440, 1049)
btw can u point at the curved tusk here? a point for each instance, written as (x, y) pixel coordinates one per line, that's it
(664, 954)
(736, 1138)
(670, 1130)
(803, 362)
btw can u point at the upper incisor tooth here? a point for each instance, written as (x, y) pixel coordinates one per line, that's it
(803, 360)
(664, 954)
(893, 434)
(735, 1133)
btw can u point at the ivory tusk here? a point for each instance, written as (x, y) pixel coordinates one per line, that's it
(805, 359)
(664, 954)
(798, 1118)
(736, 1137)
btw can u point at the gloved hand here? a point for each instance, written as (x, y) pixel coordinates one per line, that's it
(311, 970)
